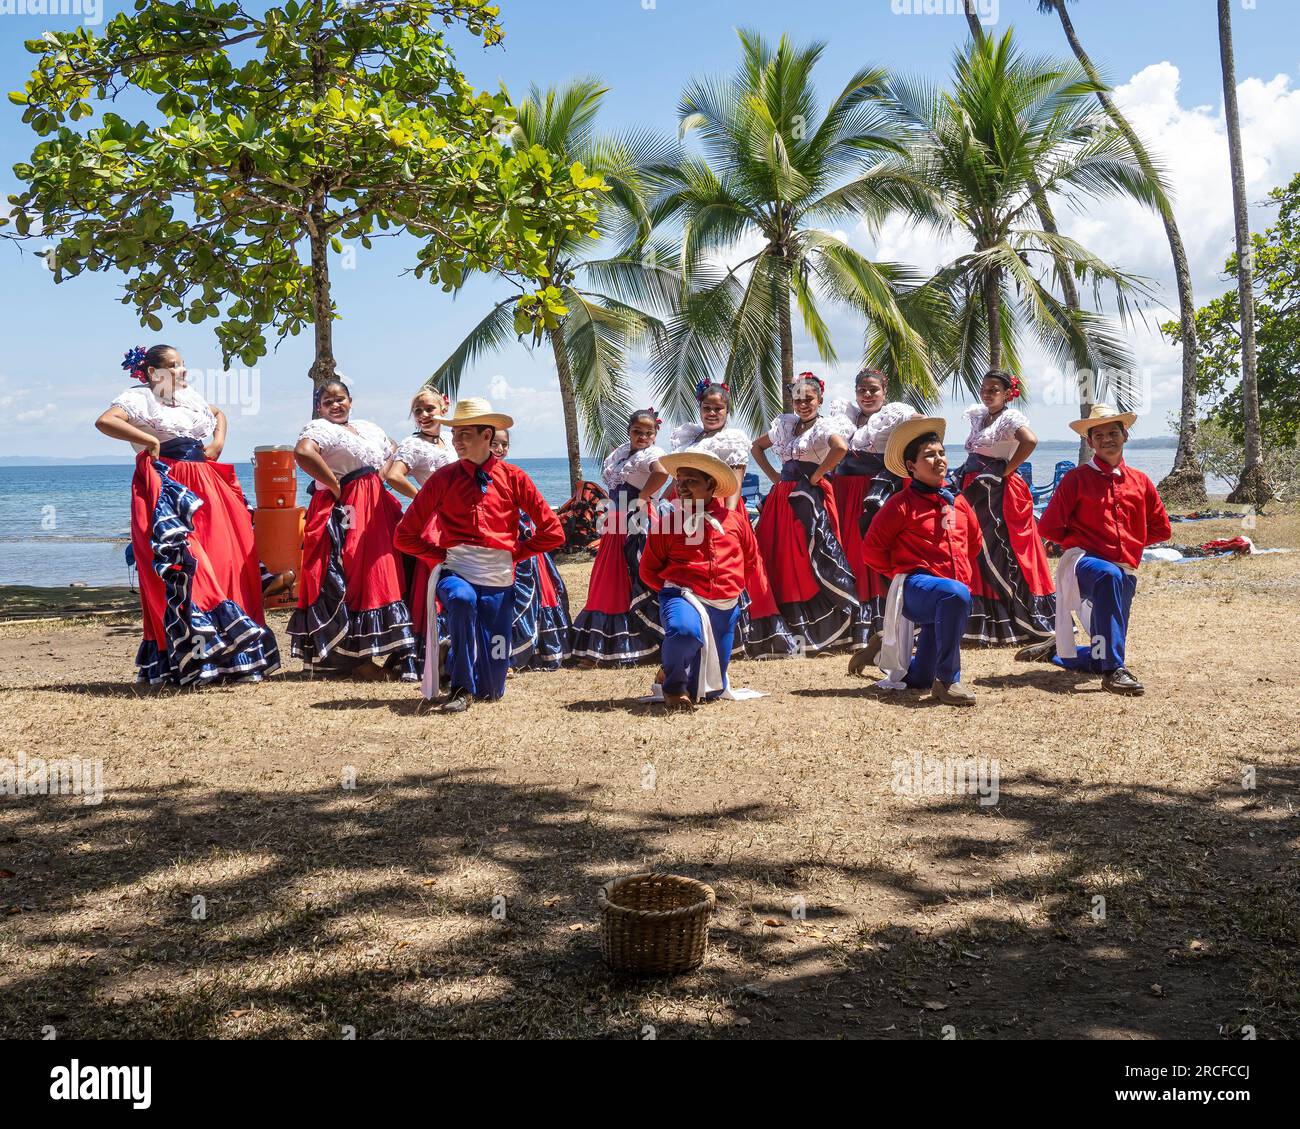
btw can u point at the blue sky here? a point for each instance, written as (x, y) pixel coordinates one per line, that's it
(60, 364)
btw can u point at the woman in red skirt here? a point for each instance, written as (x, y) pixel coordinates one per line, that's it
(760, 628)
(798, 527)
(200, 582)
(620, 622)
(350, 604)
(1012, 594)
(862, 484)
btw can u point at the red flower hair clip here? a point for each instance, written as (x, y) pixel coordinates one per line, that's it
(1015, 390)
(809, 378)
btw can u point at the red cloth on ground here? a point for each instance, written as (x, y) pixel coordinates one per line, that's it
(1109, 513)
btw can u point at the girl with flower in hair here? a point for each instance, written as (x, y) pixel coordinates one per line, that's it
(760, 628)
(350, 604)
(191, 532)
(799, 527)
(1012, 593)
(620, 622)
(862, 484)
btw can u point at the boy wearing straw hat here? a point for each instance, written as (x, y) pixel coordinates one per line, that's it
(1103, 514)
(699, 559)
(926, 539)
(472, 550)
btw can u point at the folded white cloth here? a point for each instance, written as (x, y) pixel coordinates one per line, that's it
(1069, 603)
(897, 635)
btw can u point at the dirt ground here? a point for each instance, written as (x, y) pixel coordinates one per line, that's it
(847, 906)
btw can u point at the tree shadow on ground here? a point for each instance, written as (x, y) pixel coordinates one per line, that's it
(451, 904)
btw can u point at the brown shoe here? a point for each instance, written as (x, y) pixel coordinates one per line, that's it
(1043, 652)
(952, 693)
(861, 659)
(1122, 682)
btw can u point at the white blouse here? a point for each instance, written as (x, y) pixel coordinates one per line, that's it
(814, 444)
(731, 445)
(345, 450)
(422, 456)
(186, 417)
(633, 467)
(996, 440)
(873, 435)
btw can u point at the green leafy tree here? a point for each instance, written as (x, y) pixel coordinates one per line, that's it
(772, 166)
(1011, 133)
(277, 135)
(1276, 283)
(608, 285)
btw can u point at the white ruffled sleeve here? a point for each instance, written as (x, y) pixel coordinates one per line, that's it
(411, 452)
(612, 470)
(847, 408)
(874, 434)
(827, 426)
(135, 403)
(780, 429)
(321, 432)
(686, 435)
(642, 459)
(731, 445)
(1008, 423)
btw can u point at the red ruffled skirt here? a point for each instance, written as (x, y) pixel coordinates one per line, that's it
(200, 583)
(350, 598)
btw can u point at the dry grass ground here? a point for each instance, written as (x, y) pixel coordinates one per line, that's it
(371, 907)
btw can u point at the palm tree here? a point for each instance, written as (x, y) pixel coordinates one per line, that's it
(1253, 487)
(772, 168)
(1011, 133)
(612, 302)
(1185, 483)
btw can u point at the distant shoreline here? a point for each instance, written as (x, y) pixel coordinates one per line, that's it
(1150, 443)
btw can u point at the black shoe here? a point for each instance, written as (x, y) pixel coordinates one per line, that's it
(458, 702)
(1043, 652)
(864, 658)
(1121, 682)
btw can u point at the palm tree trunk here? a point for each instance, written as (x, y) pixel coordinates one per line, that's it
(1086, 374)
(323, 365)
(787, 339)
(993, 315)
(1185, 484)
(976, 30)
(564, 374)
(1253, 487)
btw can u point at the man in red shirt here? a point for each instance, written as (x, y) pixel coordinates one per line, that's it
(1103, 514)
(926, 539)
(473, 547)
(699, 559)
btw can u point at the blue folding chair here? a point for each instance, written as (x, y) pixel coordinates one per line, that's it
(749, 493)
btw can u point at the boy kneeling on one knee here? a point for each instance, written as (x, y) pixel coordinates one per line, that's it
(926, 539)
(699, 559)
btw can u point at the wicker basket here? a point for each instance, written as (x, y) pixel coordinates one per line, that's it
(654, 924)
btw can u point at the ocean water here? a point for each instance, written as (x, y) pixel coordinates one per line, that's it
(66, 524)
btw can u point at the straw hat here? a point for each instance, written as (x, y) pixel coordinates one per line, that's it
(476, 412)
(1102, 413)
(903, 434)
(705, 463)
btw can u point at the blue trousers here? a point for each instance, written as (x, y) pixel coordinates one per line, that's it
(940, 608)
(1110, 590)
(684, 640)
(478, 622)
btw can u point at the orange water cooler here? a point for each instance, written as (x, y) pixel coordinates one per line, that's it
(278, 521)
